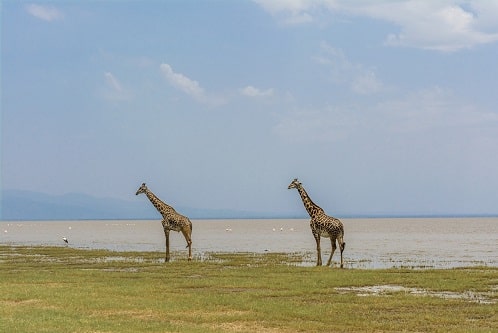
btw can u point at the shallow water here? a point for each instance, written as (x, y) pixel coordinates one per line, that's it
(370, 243)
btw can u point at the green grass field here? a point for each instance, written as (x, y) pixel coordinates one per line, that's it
(58, 289)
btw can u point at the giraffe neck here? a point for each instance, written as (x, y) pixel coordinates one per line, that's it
(312, 208)
(161, 207)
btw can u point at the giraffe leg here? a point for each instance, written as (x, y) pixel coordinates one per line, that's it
(342, 246)
(166, 233)
(334, 246)
(318, 250)
(187, 235)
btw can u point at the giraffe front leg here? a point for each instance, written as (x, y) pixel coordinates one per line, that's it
(318, 250)
(189, 250)
(166, 234)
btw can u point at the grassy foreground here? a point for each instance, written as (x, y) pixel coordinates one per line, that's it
(57, 289)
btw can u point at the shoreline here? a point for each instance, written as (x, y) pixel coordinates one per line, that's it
(372, 243)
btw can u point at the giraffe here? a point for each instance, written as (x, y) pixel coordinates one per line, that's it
(171, 220)
(321, 224)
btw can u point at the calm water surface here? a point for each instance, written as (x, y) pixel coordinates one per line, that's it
(370, 243)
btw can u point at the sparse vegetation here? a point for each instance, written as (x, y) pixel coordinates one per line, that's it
(58, 289)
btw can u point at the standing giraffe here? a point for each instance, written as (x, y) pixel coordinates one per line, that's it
(171, 220)
(321, 224)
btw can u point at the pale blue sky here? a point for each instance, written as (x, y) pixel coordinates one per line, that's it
(377, 106)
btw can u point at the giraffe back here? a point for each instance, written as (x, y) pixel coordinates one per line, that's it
(175, 221)
(326, 226)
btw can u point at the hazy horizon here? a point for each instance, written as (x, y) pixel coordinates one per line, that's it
(36, 206)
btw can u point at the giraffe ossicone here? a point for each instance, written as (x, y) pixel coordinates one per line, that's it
(321, 224)
(171, 220)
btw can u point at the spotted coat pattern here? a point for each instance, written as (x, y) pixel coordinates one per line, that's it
(321, 224)
(171, 220)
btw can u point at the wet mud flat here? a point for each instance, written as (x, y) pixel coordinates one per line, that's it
(371, 243)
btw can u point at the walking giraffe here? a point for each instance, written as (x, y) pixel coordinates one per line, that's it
(171, 220)
(321, 224)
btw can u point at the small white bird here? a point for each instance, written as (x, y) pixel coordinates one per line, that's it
(65, 240)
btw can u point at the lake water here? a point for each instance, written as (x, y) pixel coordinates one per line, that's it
(370, 243)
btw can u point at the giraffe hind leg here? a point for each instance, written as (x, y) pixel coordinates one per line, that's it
(188, 238)
(342, 246)
(332, 251)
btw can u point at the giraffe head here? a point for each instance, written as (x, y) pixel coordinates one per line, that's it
(294, 184)
(141, 189)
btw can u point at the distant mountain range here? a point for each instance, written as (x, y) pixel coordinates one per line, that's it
(26, 205)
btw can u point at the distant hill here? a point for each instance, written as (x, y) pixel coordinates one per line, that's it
(26, 205)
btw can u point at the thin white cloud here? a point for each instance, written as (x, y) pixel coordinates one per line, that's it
(435, 112)
(441, 26)
(180, 81)
(251, 91)
(45, 13)
(366, 83)
(189, 86)
(316, 125)
(433, 109)
(446, 25)
(113, 82)
(114, 90)
(290, 12)
(342, 71)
